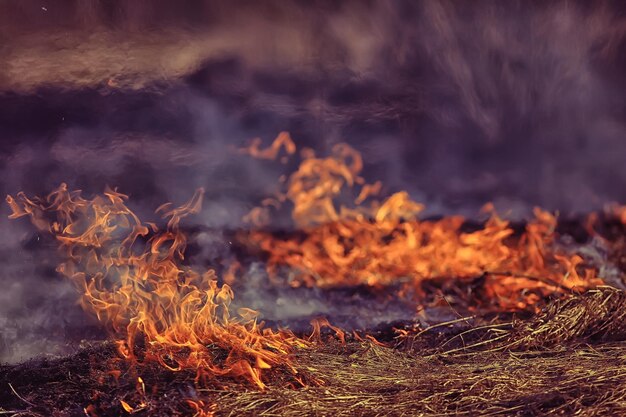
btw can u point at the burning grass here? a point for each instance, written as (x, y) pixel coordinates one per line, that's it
(377, 243)
(131, 276)
(378, 381)
(567, 360)
(182, 351)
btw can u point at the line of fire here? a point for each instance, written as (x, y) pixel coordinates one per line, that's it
(292, 208)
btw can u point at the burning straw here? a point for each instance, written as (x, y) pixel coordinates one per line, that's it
(162, 313)
(549, 365)
(376, 243)
(564, 366)
(131, 276)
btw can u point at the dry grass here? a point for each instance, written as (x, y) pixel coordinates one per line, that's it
(569, 360)
(377, 381)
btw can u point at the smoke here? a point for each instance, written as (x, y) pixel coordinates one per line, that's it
(39, 313)
(348, 308)
(459, 103)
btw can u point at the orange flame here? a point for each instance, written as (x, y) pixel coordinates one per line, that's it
(617, 211)
(321, 322)
(382, 242)
(201, 409)
(131, 276)
(283, 140)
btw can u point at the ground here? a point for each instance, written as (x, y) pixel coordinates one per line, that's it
(569, 359)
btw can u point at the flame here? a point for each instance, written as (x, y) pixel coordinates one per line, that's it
(131, 276)
(202, 409)
(321, 322)
(617, 212)
(283, 140)
(383, 242)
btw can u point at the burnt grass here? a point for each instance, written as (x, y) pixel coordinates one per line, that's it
(569, 359)
(352, 379)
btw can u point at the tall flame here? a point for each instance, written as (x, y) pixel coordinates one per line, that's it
(383, 242)
(131, 276)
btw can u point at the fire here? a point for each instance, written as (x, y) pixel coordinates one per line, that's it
(617, 212)
(283, 140)
(383, 242)
(132, 277)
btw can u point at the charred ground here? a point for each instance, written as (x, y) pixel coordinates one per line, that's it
(567, 360)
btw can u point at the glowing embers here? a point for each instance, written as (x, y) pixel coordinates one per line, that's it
(131, 276)
(378, 243)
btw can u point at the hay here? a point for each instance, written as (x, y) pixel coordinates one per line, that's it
(571, 359)
(598, 315)
(378, 381)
